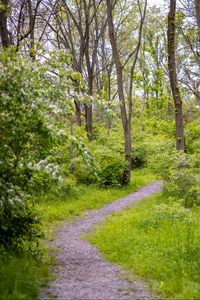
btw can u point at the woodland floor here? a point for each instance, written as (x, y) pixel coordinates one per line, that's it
(80, 271)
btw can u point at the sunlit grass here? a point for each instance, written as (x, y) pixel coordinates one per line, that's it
(158, 241)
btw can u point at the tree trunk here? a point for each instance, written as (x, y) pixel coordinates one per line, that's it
(88, 110)
(88, 106)
(119, 69)
(78, 112)
(197, 10)
(88, 117)
(71, 151)
(173, 77)
(5, 39)
(32, 34)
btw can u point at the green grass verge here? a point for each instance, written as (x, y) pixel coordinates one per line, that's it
(21, 277)
(53, 209)
(157, 239)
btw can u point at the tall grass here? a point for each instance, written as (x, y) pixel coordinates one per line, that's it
(20, 277)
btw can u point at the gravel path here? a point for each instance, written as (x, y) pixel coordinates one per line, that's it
(81, 273)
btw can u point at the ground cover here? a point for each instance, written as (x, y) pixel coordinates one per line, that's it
(159, 240)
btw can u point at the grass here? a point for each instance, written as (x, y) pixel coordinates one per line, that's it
(158, 240)
(53, 209)
(21, 277)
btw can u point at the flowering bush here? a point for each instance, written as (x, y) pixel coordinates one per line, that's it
(34, 101)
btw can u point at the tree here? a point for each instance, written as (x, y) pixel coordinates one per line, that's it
(197, 11)
(79, 26)
(4, 33)
(173, 76)
(126, 110)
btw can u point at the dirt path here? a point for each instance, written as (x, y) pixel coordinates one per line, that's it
(81, 272)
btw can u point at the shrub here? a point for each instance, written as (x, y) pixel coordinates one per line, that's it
(33, 107)
(111, 166)
(106, 170)
(139, 156)
(112, 174)
(18, 222)
(182, 176)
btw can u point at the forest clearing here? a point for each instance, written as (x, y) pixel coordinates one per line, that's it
(99, 149)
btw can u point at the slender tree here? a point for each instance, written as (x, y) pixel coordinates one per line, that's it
(126, 110)
(171, 33)
(197, 11)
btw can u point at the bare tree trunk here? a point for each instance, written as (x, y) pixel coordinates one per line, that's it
(173, 77)
(71, 151)
(32, 34)
(78, 112)
(89, 66)
(4, 33)
(88, 109)
(197, 10)
(125, 122)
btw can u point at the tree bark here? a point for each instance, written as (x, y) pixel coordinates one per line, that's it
(197, 11)
(32, 34)
(71, 151)
(4, 33)
(88, 109)
(173, 76)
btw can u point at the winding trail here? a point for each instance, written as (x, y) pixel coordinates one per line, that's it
(81, 273)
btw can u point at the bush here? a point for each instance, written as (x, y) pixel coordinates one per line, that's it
(112, 174)
(106, 170)
(139, 156)
(111, 165)
(180, 183)
(181, 174)
(19, 226)
(33, 108)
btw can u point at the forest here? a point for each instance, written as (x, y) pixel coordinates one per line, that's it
(99, 149)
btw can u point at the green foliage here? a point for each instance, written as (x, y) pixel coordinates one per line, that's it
(112, 174)
(111, 166)
(105, 166)
(181, 173)
(19, 227)
(193, 137)
(154, 145)
(34, 101)
(159, 240)
(21, 276)
(85, 168)
(141, 150)
(17, 285)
